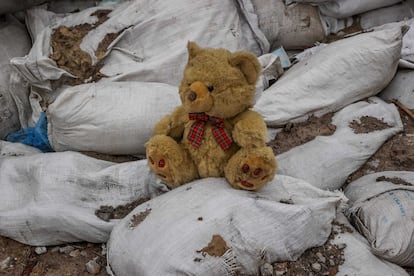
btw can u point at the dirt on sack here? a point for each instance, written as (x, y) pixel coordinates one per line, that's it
(216, 247)
(367, 124)
(322, 260)
(294, 135)
(68, 55)
(396, 154)
(107, 213)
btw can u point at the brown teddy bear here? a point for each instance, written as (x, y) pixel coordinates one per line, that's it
(214, 133)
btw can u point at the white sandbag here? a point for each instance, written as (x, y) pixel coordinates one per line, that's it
(331, 78)
(152, 41)
(407, 51)
(51, 198)
(111, 118)
(8, 6)
(155, 48)
(398, 12)
(293, 27)
(345, 8)
(37, 67)
(401, 88)
(382, 208)
(180, 229)
(327, 161)
(9, 149)
(358, 258)
(14, 103)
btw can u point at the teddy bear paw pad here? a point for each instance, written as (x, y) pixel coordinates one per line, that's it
(159, 165)
(254, 172)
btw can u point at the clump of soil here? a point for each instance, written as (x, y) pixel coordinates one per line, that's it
(322, 260)
(107, 213)
(368, 124)
(216, 247)
(294, 135)
(138, 218)
(68, 55)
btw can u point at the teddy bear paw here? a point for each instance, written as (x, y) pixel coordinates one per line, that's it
(254, 170)
(160, 166)
(253, 176)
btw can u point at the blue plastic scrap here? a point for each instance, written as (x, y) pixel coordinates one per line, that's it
(33, 136)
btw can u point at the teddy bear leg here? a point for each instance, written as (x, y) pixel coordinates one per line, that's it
(170, 161)
(250, 169)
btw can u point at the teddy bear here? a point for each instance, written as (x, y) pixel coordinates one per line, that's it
(214, 133)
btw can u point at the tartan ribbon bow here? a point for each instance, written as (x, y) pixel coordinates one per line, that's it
(196, 134)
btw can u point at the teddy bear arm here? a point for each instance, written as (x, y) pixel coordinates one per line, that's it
(250, 130)
(173, 124)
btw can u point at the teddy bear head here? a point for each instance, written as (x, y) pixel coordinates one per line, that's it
(218, 82)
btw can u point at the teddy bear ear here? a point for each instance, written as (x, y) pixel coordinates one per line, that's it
(248, 64)
(193, 49)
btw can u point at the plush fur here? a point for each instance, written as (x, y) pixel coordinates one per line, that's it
(221, 84)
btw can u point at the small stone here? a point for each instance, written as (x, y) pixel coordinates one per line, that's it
(280, 273)
(5, 263)
(280, 268)
(93, 267)
(84, 253)
(266, 269)
(66, 249)
(40, 250)
(331, 262)
(341, 246)
(321, 258)
(103, 252)
(55, 249)
(316, 267)
(75, 253)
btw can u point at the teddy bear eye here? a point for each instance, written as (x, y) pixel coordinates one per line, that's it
(210, 88)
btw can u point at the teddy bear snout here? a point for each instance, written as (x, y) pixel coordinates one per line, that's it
(198, 90)
(198, 98)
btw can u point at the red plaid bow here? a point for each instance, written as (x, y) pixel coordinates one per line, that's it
(195, 136)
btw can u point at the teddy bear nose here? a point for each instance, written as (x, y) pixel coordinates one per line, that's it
(192, 96)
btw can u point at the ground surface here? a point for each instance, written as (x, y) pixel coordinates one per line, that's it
(71, 259)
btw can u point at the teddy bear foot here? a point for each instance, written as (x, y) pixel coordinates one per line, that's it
(251, 169)
(169, 161)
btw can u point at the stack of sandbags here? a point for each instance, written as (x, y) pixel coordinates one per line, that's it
(150, 40)
(331, 78)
